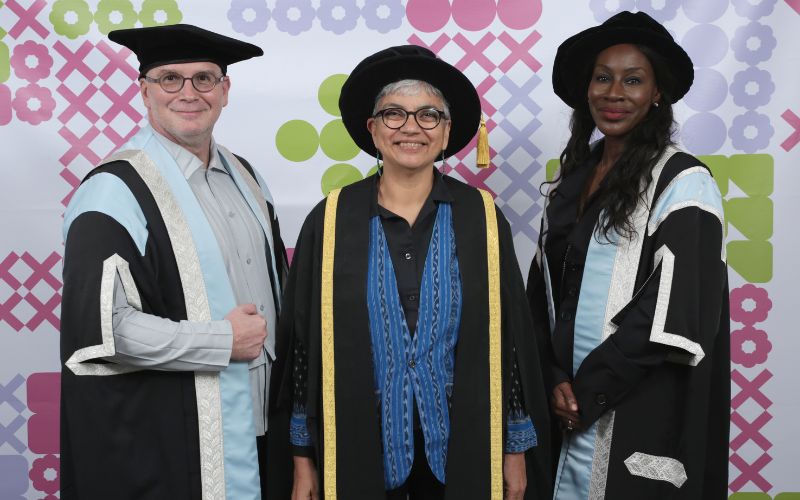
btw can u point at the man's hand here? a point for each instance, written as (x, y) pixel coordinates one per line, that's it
(305, 480)
(249, 332)
(565, 406)
(514, 477)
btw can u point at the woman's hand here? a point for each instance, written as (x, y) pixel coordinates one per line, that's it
(514, 477)
(305, 480)
(565, 406)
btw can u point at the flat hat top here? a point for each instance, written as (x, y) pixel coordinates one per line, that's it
(578, 52)
(181, 43)
(408, 62)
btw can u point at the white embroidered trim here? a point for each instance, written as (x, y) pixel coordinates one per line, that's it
(623, 282)
(652, 226)
(655, 467)
(78, 362)
(657, 333)
(602, 452)
(209, 404)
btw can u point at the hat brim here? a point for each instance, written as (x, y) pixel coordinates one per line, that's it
(358, 94)
(576, 56)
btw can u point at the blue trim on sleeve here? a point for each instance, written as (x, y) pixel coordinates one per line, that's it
(520, 434)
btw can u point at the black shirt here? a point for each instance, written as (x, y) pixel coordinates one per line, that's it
(408, 245)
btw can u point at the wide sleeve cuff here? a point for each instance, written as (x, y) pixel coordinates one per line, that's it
(520, 435)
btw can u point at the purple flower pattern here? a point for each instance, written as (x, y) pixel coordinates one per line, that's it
(285, 12)
(738, 132)
(372, 14)
(754, 11)
(249, 27)
(330, 20)
(766, 43)
(762, 79)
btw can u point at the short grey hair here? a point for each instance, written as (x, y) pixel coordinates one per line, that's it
(411, 87)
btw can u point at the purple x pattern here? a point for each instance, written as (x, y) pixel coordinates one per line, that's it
(8, 433)
(476, 58)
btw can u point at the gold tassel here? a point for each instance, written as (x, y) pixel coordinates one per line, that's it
(483, 145)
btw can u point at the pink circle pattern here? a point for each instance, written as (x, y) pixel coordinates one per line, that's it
(761, 346)
(44, 62)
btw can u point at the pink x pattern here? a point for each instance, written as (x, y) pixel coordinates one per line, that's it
(482, 88)
(750, 431)
(793, 120)
(27, 18)
(795, 4)
(73, 181)
(750, 389)
(435, 47)
(42, 271)
(750, 472)
(5, 270)
(77, 103)
(7, 311)
(45, 311)
(475, 53)
(79, 146)
(73, 61)
(117, 60)
(121, 103)
(520, 51)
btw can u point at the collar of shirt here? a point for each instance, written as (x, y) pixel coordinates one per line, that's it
(186, 160)
(439, 193)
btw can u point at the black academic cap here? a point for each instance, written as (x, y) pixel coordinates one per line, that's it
(182, 43)
(408, 62)
(576, 55)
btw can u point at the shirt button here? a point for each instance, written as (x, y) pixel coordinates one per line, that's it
(248, 260)
(412, 298)
(600, 399)
(231, 214)
(566, 315)
(261, 307)
(407, 255)
(572, 292)
(412, 363)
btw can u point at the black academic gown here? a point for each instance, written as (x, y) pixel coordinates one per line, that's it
(662, 405)
(360, 472)
(131, 435)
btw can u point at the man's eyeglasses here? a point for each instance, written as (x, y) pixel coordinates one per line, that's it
(395, 118)
(203, 81)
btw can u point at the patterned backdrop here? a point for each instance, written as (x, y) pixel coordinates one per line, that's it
(68, 98)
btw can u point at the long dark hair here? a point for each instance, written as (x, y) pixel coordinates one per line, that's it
(627, 181)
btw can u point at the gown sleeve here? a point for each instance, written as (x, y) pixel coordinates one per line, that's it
(673, 317)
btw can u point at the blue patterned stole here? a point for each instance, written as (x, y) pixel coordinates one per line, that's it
(418, 369)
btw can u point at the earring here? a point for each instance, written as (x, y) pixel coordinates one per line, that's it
(378, 163)
(656, 104)
(442, 165)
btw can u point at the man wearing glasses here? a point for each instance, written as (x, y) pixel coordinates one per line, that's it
(172, 276)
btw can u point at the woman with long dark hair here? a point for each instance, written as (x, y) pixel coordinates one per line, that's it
(631, 272)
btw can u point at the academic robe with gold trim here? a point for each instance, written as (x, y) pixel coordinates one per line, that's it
(360, 472)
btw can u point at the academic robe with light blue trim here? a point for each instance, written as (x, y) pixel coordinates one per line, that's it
(135, 435)
(654, 395)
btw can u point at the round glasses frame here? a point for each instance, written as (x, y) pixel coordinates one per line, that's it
(172, 83)
(396, 118)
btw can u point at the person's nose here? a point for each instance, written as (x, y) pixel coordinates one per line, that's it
(411, 126)
(187, 89)
(615, 90)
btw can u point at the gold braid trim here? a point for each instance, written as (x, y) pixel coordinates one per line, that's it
(328, 367)
(495, 376)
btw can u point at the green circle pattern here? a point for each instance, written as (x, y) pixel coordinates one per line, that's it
(150, 7)
(81, 9)
(297, 140)
(328, 94)
(5, 63)
(339, 175)
(336, 142)
(107, 7)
